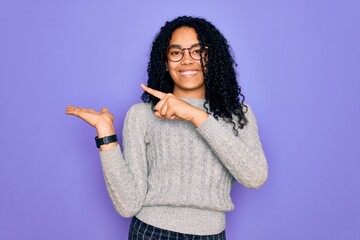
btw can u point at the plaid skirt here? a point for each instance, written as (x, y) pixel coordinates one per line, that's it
(142, 231)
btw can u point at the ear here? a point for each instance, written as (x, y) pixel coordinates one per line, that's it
(166, 65)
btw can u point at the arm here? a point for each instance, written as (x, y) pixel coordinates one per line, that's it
(126, 174)
(241, 155)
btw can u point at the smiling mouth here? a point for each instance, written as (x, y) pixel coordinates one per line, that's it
(189, 73)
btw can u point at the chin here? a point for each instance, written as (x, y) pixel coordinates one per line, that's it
(190, 87)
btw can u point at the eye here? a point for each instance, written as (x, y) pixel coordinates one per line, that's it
(196, 50)
(175, 52)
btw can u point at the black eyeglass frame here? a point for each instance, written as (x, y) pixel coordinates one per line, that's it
(202, 48)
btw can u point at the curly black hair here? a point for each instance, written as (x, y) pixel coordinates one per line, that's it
(222, 91)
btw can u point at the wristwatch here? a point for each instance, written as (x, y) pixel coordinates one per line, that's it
(105, 140)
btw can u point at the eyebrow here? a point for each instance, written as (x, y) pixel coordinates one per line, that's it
(179, 46)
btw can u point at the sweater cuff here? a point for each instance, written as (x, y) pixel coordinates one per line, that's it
(210, 129)
(110, 154)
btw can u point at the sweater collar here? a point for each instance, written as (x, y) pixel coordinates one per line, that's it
(196, 102)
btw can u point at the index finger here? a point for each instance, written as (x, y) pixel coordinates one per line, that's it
(153, 92)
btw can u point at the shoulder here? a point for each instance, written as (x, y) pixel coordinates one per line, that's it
(251, 124)
(141, 108)
(249, 113)
(138, 119)
(140, 111)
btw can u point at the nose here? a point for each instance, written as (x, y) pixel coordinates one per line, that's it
(187, 59)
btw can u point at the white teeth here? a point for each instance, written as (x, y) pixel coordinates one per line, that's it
(188, 72)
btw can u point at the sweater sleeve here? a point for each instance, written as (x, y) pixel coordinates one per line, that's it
(241, 155)
(126, 173)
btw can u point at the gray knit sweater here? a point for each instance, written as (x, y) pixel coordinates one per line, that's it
(178, 177)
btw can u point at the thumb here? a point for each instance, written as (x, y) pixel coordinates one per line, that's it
(104, 110)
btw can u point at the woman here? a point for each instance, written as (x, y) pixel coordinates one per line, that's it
(186, 144)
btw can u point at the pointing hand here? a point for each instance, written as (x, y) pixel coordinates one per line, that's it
(172, 107)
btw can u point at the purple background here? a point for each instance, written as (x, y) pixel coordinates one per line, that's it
(299, 69)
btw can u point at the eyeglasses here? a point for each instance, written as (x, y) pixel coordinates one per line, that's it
(175, 53)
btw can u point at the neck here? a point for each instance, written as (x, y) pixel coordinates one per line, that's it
(200, 94)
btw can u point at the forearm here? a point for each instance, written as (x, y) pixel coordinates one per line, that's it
(123, 186)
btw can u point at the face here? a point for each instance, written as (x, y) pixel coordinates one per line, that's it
(187, 73)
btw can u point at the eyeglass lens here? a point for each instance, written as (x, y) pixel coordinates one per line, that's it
(176, 53)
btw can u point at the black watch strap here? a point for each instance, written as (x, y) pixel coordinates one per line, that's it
(105, 140)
